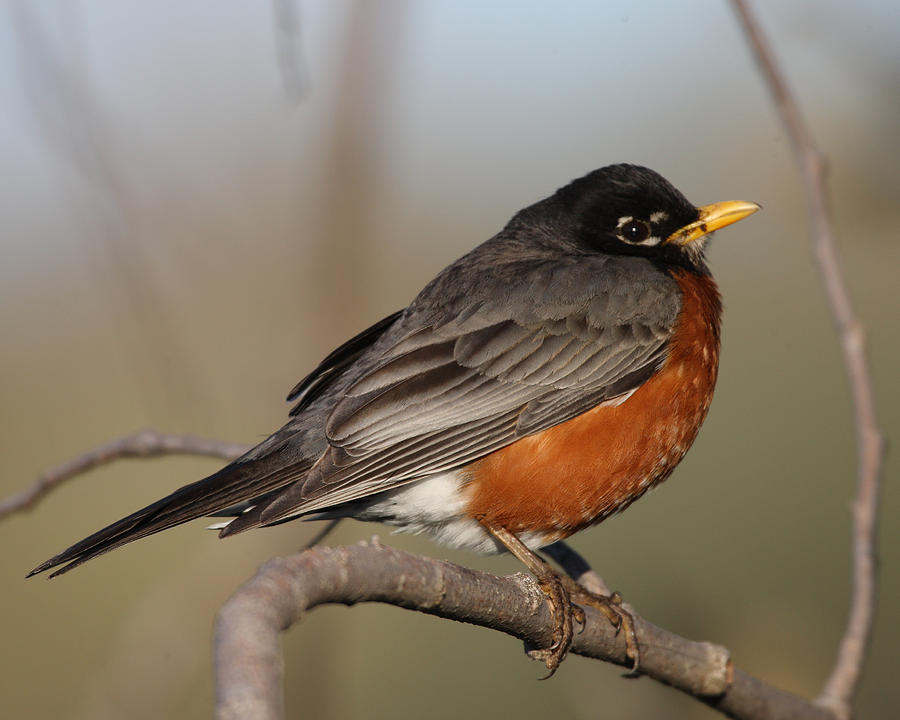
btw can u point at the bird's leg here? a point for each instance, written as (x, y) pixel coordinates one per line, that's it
(586, 587)
(563, 592)
(554, 587)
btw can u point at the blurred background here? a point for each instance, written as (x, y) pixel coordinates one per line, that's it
(200, 200)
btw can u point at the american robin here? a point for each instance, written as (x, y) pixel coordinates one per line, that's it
(540, 383)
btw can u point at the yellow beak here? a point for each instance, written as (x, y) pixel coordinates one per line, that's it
(713, 217)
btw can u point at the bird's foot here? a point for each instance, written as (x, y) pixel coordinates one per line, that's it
(618, 616)
(564, 614)
(562, 594)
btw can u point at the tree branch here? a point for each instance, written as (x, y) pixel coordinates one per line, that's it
(840, 688)
(249, 666)
(144, 443)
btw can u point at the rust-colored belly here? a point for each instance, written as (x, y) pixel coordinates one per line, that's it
(581, 471)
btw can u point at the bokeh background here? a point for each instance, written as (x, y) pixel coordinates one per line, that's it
(199, 200)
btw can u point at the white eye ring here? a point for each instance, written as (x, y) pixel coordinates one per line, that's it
(636, 232)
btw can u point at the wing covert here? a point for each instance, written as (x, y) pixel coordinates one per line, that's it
(454, 386)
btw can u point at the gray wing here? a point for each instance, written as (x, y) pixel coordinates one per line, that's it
(519, 335)
(473, 368)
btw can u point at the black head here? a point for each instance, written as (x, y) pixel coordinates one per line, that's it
(631, 210)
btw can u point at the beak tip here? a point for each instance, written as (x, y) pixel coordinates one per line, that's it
(714, 217)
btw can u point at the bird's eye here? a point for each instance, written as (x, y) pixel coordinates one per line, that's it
(634, 231)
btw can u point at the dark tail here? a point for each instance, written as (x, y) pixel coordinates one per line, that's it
(244, 480)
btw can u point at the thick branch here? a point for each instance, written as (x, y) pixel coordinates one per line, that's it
(841, 686)
(247, 650)
(248, 659)
(144, 443)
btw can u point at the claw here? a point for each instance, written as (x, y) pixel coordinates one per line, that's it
(631, 645)
(562, 611)
(562, 592)
(579, 617)
(618, 617)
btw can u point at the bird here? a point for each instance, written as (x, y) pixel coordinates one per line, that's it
(537, 385)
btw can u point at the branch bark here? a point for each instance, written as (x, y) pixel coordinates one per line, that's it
(840, 688)
(249, 666)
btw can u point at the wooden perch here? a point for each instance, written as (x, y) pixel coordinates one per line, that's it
(249, 666)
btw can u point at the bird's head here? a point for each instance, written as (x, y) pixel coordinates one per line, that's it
(631, 210)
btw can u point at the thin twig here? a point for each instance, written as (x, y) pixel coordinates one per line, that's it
(840, 687)
(144, 443)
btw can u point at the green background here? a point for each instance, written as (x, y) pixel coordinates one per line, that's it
(198, 205)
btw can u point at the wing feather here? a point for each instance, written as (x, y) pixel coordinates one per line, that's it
(455, 387)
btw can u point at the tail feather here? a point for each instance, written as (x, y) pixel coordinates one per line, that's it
(239, 482)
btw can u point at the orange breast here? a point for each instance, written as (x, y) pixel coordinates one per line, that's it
(581, 471)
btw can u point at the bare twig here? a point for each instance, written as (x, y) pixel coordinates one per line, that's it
(144, 443)
(248, 659)
(840, 687)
